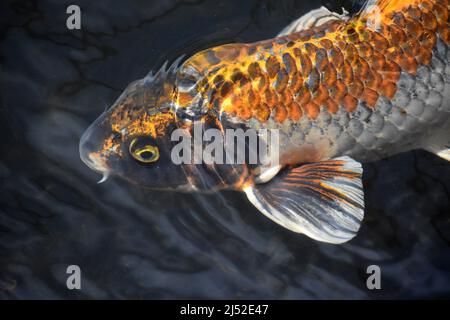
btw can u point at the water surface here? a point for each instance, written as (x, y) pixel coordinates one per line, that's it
(135, 243)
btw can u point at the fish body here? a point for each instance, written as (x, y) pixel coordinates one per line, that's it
(340, 92)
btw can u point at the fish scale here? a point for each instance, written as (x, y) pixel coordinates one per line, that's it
(367, 87)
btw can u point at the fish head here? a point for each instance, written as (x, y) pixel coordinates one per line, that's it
(133, 138)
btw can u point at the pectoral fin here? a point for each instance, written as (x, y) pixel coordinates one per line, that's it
(324, 200)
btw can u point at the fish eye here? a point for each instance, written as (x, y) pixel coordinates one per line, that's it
(143, 152)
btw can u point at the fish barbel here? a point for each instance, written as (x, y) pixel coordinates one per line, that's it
(339, 91)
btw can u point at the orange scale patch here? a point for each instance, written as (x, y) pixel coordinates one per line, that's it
(254, 71)
(413, 27)
(395, 34)
(280, 113)
(272, 66)
(388, 89)
(351, 53)
(286, 97)
(336, 57)
(305, 65)
(391, 71)
(374, 80)
(361, 69)
(226, 88)
(445, 34)
(440, 11)
(326, 44)
(237, 76)
(329, 75)
(398, 58)
(398, 18)
(414, 12)
(411, 47)
(428, 39)
(356, 88)
(271, 98)
(304, 96)
(281, 81)
(294, 111)
(253, 99)
(321, 59)
(351, 34)
(346, 72)
(429, 20)
(237, 101)
(261, 112)
(297, 52)
(321, 95)
(410, 64)
(338, 91)
(296, 82)
(311, 49)
(370, 97)
(331, 106)
(365, 50)
(379, 42)
(311, 110)
(341, 44)
(350, 103)
(290, 64)
(263, 84)
(425, 6)
(244, 112)
(424, 56)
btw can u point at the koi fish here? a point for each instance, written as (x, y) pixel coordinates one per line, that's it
(340, 90)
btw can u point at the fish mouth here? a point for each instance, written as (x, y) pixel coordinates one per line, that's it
(90, 153)
(95, 163)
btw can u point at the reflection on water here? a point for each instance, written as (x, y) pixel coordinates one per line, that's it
(134, 243)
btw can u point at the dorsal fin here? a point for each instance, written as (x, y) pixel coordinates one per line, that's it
(314, 18)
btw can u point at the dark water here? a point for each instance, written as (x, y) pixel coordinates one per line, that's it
(133, 243)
